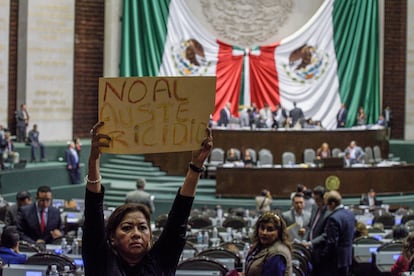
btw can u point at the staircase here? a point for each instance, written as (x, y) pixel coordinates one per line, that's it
(123, 170)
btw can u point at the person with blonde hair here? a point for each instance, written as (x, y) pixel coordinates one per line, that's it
(324, 151)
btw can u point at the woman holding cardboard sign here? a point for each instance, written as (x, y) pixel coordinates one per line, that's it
(124, 246)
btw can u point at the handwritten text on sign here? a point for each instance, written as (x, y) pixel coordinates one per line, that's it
(155, 114)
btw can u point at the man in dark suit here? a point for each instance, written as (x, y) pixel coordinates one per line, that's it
(336, 253)
(225, 115)
(370, 199)
(33, 140)
(72, 162)
(315, 236)
(341, 117)
(296, 115)
(40, 222)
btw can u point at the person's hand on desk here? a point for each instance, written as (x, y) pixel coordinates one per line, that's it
(56, 234)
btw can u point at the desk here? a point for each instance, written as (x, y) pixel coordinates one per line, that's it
(176, 163)
(249, 182)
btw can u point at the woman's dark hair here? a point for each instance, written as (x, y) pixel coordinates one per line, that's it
(116, 217)
(10, 237)
(280, 225)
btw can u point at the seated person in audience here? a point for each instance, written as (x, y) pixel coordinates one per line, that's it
(9, 249)
(9, 154)
(23, 198)
(361, 117)
(247, 159)
(324, 151)
(361, 230)
(40, 222)
(263, 201)
(403, 262)
(231, 156)
(297, 215)
(347, 160)
(370, 199)
(381, 120)
(356, 153)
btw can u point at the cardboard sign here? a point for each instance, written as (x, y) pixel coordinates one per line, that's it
(155, 114)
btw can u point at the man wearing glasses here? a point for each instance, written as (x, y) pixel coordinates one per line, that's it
(40, 222)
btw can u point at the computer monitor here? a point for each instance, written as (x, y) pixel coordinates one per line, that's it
(24, 270)
(58, 203)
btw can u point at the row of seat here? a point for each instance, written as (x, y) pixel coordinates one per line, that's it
(230, 255)
(265, 157)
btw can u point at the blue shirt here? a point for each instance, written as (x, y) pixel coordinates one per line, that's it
(10, 257)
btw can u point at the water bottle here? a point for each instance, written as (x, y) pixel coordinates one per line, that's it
(53, 270)
(206, 239)
(75, 247)
(66, 271)
(219, 212)
(64, 246)
(79, 233)
(215, 233)
(246, 249)
(200, 238)
(229, 236)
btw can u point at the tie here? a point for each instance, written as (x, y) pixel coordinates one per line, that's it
(42, 221)
(318, 214)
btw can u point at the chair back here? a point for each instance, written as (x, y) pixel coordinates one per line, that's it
(200, 264)
(217, 155)
(391, 246)
(301, 261)
(288, 158)
(253, 154)
(25, 246)
(236, 153)
(309, 155)
(226, 257)
(369, 156)
(49, 259)
(234, 222)
(265, 158)
(199, 221)
(161, 220)
(336, 152)
(377, 153)
(386, 219)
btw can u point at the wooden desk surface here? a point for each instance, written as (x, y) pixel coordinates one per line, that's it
(248, 182)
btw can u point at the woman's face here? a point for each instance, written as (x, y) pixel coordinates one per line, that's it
(132, 237)
(267, 233)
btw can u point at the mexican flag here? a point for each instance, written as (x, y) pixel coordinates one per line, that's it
(333, 58)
